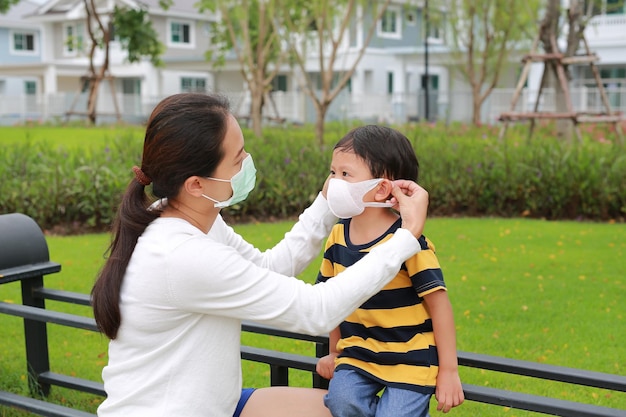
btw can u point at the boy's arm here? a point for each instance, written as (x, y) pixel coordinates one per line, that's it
(326, 364)
(449, 392)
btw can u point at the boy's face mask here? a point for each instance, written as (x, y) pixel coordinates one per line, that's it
(242, 183)
(345, 199)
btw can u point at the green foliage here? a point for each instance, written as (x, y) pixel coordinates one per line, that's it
(81, 187)
(546, 178)
(5, 5)
(137, 35)
(467, 171)
(239, 27)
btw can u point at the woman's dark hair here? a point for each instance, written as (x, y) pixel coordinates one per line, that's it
(184, 138)
(387, 152)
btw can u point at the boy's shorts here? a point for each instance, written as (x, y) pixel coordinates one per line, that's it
(245, 396)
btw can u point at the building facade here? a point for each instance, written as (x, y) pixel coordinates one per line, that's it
(406, 74)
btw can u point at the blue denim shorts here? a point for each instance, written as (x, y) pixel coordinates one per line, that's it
(245, 396)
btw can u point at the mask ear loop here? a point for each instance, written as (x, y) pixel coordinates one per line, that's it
(375, 203)
(218, 204)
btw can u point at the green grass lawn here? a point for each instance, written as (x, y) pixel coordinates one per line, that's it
(69, 137)
(548, 292)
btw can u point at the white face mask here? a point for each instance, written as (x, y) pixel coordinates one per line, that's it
(345, 199)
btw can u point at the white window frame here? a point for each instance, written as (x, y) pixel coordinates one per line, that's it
(33, 83)
(192, 34)
(194, 87)
(398, 17)
(75, 28)
(14, 51)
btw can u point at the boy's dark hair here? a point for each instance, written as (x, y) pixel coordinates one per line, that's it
(387, 152)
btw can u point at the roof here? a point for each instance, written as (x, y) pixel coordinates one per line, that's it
(73, 9)
(17, 11)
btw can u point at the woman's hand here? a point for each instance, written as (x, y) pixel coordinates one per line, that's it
(412, 202)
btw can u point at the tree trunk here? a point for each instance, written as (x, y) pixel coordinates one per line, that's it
(564, 127)
(476, 107)
(256, 111)
(320, 110)
(548, 36)
(92, 100)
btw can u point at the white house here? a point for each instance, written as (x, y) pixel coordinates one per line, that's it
(44, 47)
(40, 71)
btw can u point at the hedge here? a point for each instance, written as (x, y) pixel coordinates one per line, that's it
(467, 171)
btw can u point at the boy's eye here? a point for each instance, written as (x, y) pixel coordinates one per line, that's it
(344, 173)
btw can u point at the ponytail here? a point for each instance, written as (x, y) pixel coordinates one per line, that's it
(131, 221)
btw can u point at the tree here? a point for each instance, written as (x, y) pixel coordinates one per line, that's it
(135, 33)
(576, 18)
(324, 24)
(484, 32)
(5, 5)
(246, 28)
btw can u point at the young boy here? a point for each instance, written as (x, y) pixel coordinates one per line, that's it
(403, 339)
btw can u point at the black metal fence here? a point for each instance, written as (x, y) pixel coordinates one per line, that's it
(24, 257)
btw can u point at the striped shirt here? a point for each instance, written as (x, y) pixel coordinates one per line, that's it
(389, 337)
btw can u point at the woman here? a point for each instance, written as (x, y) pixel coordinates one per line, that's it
(178, 281)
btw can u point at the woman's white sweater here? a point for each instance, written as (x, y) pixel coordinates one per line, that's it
(185, 294)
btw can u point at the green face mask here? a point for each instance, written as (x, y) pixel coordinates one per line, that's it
(242, 183)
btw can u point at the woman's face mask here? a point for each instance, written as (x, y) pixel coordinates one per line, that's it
(345, 199)
(242, 183)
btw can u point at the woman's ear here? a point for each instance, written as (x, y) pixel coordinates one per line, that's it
(383, 192)
(193, 186)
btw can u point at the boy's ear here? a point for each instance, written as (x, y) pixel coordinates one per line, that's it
(383, 192)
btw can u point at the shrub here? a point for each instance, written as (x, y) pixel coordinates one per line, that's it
(467, 171)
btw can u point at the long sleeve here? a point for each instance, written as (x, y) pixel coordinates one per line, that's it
(298, 247)
(220, 281)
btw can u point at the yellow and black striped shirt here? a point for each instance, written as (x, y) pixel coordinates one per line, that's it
(390, 337)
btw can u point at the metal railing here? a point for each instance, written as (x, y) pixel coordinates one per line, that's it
(296, 106)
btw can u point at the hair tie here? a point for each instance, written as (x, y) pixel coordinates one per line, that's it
(141, 178)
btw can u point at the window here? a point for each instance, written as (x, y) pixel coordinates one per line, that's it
(614, 7)
(30, 88)
(436, 24)
(433, 83)
(131, 86)
(389, 25)
(390, 82)
(279, 83)
(600, 7)
(180, 34)
(23, 43)
(74, 41)
(411, 18)
(192, 85)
